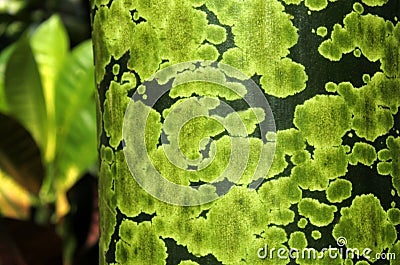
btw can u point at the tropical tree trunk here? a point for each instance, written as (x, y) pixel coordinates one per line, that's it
(248, 132)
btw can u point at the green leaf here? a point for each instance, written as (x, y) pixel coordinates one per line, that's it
(50, 46)
(76, 116)
(5, 54)
(23, 92)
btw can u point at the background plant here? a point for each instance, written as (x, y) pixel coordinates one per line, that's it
(48, 132)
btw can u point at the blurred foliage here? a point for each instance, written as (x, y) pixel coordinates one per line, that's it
(16, 16)
(49, 91)
(48, 128)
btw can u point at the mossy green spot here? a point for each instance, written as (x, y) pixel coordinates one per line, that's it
(316, 5)
(156, 12)
(281, 216)
(141, 90)
(256, 147)
(129, 79)
(114, 21)
(394, 216)
(216, 34)
(319, 214)
(392, 166)
(184, 86)
(302, 223)
(280, 193)
(107, 205)
(339, 190)
(322, 31)
(330, 87)
(107, 154)
(367, 32)
(358, 8)
(139, 244)
(127, 189)
(384, 168)
(115, 69)
(257, 49)
(315, 234)
(366, 78)
(300, 157)
(331, 120)
(284, 79)
(357, 53)
(273, 237)
(271, 136)
(330, 50)
(308, 176)
(364, 224)
(363, 153)
(115, 105)
(290, 141)
(193, 132)
(314, 174)
(207, 52)
(342, 38)
(297, 240)
(332, 161)
(187, 26)
(226, 219)
(375, 2)
(250, 118)
(370, 120)
(145, 59)
(188, 262)
(387, 91)
(293, 2)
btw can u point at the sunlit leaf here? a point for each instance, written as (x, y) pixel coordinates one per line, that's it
(15, 202)
(23, 92)
(50, 48)
(76, 116)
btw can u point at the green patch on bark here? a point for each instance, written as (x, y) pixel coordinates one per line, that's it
(391, 161)
(330, 116)
(139, 244)
(339, 190)
(297, 240)
(319, 214)
(363, 153)
(364, 224)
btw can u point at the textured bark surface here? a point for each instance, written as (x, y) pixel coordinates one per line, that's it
(330, 72)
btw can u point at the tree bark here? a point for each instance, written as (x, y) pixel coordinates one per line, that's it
(233, 132)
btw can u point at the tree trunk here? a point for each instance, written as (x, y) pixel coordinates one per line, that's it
(248, 132)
